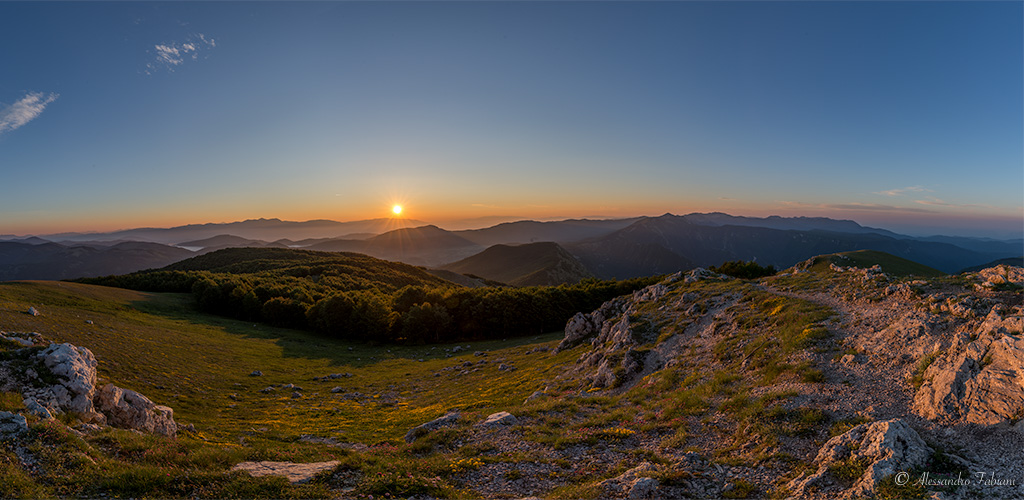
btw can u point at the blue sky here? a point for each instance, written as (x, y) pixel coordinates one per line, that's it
(906, 116)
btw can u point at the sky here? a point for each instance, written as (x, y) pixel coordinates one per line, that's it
(902, 115)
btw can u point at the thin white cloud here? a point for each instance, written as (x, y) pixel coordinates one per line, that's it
(903, 191)
(168, 56)
(870, 207)
(939, 203)
(25, 110)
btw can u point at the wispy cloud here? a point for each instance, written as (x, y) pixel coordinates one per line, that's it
(903, 191)
(870, 207)
(25, 110)
(168, 56)
(939, 203)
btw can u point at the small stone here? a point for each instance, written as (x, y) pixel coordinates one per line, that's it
(296, 395)
(500, 418)
(256, 373)
(33, 311)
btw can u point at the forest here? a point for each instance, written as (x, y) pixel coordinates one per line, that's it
(357, 297)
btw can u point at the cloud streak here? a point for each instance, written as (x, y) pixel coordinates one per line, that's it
(25, 110)
(903, 191)
(869, 207)
(168, 56)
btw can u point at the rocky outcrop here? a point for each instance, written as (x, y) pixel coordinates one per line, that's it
(635, 483)
(880, 448)
(129, 409)
(1001, 275)
(73, 369)
(296, 473)
(422, 429)
(980, 379)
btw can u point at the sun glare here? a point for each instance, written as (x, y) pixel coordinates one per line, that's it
(397, 209)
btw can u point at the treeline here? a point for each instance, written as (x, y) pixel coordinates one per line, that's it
(370, 300)
(744, 270)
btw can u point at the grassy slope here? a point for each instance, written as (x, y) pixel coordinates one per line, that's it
(889, 263)
(156, 344)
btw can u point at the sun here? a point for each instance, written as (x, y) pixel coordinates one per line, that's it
(397, 209)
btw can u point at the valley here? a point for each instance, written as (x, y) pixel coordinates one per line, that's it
(698, 385)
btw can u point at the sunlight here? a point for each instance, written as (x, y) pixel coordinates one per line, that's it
(397, 209)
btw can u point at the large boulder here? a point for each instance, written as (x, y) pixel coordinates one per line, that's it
(882, 448)
(75, 369)
(980, 379)
(129, 409)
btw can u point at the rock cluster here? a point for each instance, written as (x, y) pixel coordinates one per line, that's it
(62, 378)
(881, 448)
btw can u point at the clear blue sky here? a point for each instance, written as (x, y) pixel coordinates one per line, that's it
(899, 115)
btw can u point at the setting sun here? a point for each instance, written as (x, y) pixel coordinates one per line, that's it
(397, 209)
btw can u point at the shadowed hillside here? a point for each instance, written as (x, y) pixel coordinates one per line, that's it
(532, 264)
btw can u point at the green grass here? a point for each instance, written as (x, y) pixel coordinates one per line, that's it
(159, 345)
(890, 264)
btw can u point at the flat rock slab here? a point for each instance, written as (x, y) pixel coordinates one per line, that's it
(295, 473)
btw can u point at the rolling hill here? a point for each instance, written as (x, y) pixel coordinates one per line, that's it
(424, 246)
(54, 261)
(865, 259)
(545, 263)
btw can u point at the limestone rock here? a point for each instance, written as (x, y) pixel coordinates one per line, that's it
(76, 369)
(12, 424)
(635, 483)
(422, 429)
(579, 327)
(500, 418)
(977, 381)
(886, 447)
(129, 409)
(37, 409)
(294, 472)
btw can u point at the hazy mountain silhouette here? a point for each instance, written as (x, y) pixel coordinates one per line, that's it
(659, 239)
(423, 246)
(545, 263)
(53, 261)
(256, 229)
(528, 231)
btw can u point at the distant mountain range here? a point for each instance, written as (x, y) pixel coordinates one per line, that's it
(53, 261)
(509, 252)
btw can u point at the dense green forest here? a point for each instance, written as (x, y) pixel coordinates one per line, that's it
(358, 297)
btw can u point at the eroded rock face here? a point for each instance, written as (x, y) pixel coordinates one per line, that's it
(884, 448)
(75, 367)
(978, 381)
(129, 409)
